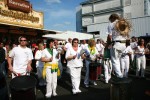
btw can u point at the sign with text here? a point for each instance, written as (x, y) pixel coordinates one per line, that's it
(33, 19)
(19, 5)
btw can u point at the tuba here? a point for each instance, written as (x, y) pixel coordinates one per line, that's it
(123, 27)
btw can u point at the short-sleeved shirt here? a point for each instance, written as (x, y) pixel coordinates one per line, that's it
(88, 52)
(21, 57)
(68, 45)
(126, 51)
(100, 48)
(112, 31)
(83, 46)
(38, 56)
(77, 62)
(46, 54)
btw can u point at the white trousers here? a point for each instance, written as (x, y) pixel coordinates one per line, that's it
(39, 73)
(140, 64)
(75, 73)
(115, 59)
(107, 69)
(51, 80)
(125, 63)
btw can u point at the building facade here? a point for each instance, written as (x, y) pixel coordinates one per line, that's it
(95, 14)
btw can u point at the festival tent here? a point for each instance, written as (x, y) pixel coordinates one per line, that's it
(69, 34)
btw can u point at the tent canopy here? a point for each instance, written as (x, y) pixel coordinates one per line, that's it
(69, 34)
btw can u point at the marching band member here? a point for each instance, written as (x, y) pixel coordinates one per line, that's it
(50, 59)
(75, 64)
(107, 61)
(39, 64)
(118, 31)
(125, 60)
(140, 58)
(92, 54)
(100, 49)
(84, 44)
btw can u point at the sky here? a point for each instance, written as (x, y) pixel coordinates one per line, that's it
(59, 15)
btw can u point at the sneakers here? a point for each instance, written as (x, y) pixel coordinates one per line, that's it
(76, 92)
(48, 95)
(106, 81)
(79, 91)
(86, 85)
(54, 94)
(94, 83)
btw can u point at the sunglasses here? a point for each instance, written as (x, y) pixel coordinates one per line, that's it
(23, 40)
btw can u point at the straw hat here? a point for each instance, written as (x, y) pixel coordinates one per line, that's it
(123, 27)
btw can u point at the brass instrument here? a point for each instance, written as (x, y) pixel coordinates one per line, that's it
(123, 27)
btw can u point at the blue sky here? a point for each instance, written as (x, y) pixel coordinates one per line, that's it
(58, 14)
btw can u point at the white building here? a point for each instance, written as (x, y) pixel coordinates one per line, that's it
(94, 16)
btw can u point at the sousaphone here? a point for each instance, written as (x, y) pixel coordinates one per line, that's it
(123, 27)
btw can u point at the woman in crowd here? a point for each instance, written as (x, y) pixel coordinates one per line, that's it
(49, 56)
(125, 60)
(74, 63)
(91, 56)
(140, 58)
(107, 61)
(39, 64)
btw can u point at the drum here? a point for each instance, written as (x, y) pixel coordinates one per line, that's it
(121, 89)
(23, 88)
(94, 71)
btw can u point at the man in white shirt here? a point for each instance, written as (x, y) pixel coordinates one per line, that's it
(22, 58)
(68, 44)
(100, 49)
(118, 46)
(84, 44)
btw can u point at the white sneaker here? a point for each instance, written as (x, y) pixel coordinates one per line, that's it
(74, 92)
(54, 94)
(79, 91)
(106, 81)
(48, 95)
(86, 85)
(94, 83)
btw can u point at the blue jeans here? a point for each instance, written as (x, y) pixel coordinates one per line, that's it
(2, 68)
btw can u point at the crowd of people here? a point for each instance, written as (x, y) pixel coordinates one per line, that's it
(117, 55)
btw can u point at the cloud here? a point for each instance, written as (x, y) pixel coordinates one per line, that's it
(53, 1)
(62, 24)
(62, 13)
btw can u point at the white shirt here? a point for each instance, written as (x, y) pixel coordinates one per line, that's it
(38, 56)
(68, 45)
(133, 45)
(47, 55)
(83, 46)
(126, 51)
(140, 50)
(92, 56)
(77, 62)
(21, 57)
(112, 31)
(100, 48)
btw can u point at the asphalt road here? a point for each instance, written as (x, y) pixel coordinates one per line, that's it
(99, 92)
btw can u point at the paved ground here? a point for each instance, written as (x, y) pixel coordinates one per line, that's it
(99, 92)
